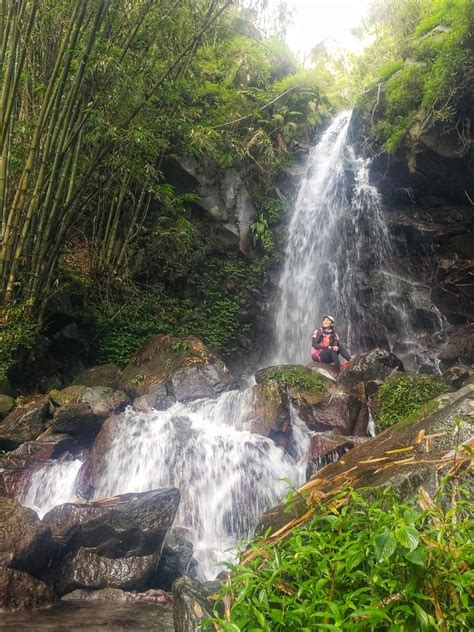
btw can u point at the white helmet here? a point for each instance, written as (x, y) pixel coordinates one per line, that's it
(330, 318)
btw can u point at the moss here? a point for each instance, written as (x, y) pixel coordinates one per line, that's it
(406, 397)
(298, 377)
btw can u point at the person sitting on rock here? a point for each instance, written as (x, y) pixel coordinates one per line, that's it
(326, 345)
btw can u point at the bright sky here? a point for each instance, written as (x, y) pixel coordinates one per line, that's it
(330, 21)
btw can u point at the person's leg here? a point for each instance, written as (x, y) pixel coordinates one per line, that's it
(335, 359)
(326, 356)
(345, 354)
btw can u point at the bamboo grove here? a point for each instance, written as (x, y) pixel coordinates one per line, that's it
(82, 117)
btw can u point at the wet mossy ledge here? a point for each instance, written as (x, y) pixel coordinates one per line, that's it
(293, 377)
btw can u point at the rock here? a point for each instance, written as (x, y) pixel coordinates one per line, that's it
(20, 591)
(377, 364)
(192, 603)
(175, 558)
(86, 569)
(104, 401)
(456, 376)
(113, 543)
(199, 381)
(77, 420)
(154, 595)
(269, 410)
(5, 386)
(94, 465)
(161, 357)
(7, 404)
(453, 289)
(157, 398)
(69, 395)
(25, 423)
(459, 349)
(342, 413)
(391, 458)
(101, 375)
(25, 542)
(47, 447)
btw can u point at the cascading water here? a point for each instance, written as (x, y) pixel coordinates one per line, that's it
(338, 258)
(337, 261)
(227, 475)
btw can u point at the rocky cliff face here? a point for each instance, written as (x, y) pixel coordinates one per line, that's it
(427, 186)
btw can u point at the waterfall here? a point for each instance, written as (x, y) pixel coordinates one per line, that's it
(338, 260)
(227, 475)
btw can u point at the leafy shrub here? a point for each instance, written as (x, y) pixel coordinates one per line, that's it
(18, 331)
(371, 565)
(403, 395)
(298, 377)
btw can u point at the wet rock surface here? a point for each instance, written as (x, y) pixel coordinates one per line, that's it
(192, 603)
(377, 364)
(25, 423)
(20, 591)
(77, 616)
(116, 595)
(113, 543)
(25, 542)
(175, 558)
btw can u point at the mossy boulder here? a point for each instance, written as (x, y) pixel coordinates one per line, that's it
(269, 410)
(101, 375)
(69, 395)
(7, 404)
(161, 357)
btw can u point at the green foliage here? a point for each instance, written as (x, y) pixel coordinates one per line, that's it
(18, 332)
(435, 76)
(298, 377)
(403, 395)
(378, 564)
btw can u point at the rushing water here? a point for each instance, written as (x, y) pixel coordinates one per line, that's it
(338, 258)
(337, 261)
(227, 475)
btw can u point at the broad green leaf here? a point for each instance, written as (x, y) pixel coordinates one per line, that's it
(385, 545)
(408, 537)
(417, 556)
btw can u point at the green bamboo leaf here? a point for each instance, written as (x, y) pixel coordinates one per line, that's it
(422, 616)
(385, 545)
(408, 537)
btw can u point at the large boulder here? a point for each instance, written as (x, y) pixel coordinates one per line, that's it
(162, 356)
(199, 381)
(25, 542)
(377, 364)
(20, 591)
(25, 423)
(101, 375)
(113, 543)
